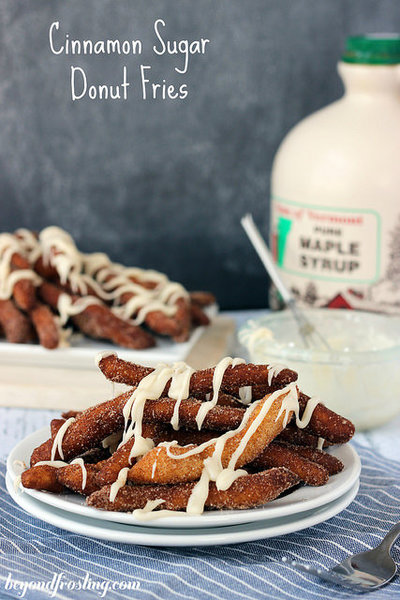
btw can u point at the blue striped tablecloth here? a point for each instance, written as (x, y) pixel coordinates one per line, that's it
(32, 551)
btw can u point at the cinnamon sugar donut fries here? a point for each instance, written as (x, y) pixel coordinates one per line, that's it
(232, 437)
(46, 283)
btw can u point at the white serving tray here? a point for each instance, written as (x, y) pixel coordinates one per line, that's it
(82, 352)
(34, 377)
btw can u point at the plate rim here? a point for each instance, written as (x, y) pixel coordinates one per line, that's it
(208, 519)
(134, 534)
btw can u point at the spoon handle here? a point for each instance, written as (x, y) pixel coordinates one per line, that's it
(265, 256)
(390, 538)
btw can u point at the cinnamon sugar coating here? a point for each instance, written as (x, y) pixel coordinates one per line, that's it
(166, 463)
(246, 492)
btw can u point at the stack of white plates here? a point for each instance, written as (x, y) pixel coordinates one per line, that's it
(303, 507)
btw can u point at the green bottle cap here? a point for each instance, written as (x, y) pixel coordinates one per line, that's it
(373, 49)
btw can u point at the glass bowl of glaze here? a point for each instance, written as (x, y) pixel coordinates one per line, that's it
(359, 377)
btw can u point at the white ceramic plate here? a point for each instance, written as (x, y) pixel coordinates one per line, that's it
(301, 500)
(81, 353)
(158, 536)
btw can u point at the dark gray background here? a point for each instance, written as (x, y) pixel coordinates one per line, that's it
(155, 183)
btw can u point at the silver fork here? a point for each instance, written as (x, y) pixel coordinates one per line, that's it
(364, 572)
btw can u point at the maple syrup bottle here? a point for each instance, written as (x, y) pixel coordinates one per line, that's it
(335, 207)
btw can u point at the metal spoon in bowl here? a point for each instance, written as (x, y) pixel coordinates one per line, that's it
(311, 337)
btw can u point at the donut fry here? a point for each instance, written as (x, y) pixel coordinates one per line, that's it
(182, 452)
(160, 466)
(199, 317)
(98, 321)
(327, 424)
(45, 325)
(74, 477)
(299, 437)
(97, 422)
(276, 455)
(110, 468)
(246, 492)
(120, 371)
(202, 299)
(24, 291)
(16, 326)
(331, 463)
(42, 477)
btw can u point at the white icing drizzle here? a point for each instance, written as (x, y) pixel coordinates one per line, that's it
(109, 280)
(290, 404)
(151, 388)
(320, 444)
(147, 514)
(273, 371)
(79, 461)
(198, 497)
(224, 477)
(119, 483)
(246, 394)
(81, 283)
(100, 355)
(228, 476)
(60, 252)
(97, 263)
(57, 464)
(218, 376)
(67, 307)
(146, 275)
(118, 285)
(162, 298)
(155, 305)
(9, 245)
(308, 412)
(29, 244)
(58, 438)
(171, 292)
(155, 464)
(150, 506)
(9, 280)
(133, 305)
(179, 389)
(213, 469)
(179, 376)
(64, 334)
(87, 274)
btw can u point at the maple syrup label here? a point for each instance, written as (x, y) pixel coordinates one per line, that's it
(327, 244)
(337, 257)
